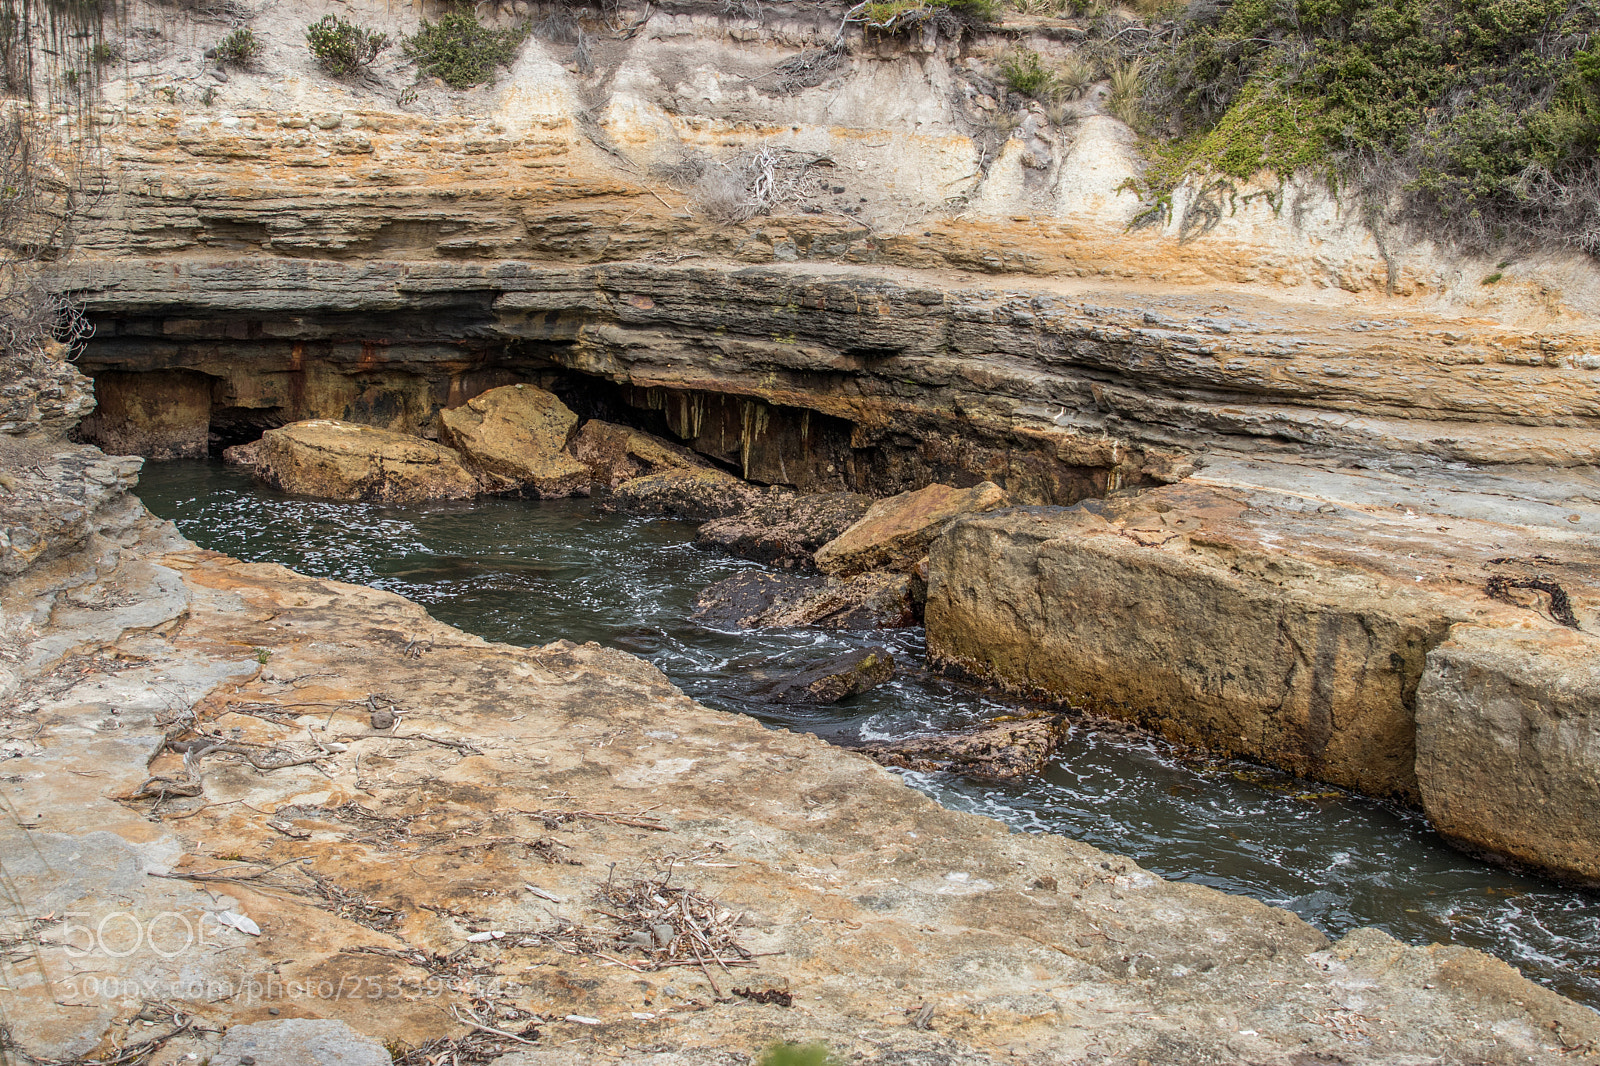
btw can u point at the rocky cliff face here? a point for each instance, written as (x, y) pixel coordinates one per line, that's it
(1400, 446)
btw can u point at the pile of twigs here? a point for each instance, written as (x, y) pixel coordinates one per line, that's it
(701, 930)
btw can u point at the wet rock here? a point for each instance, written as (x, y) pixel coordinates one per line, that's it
(615, 454)
(300, 1042)
(692, 494)
(345, 461)
(755, 598)
(514, 439)
(895, 533)
(785, 529)
(1508, 731)
(1015, 748)
(845, 675)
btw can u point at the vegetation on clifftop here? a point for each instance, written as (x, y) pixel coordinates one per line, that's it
(1476, 121)
(461, 51)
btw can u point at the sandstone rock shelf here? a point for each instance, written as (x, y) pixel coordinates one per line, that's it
(872, 900)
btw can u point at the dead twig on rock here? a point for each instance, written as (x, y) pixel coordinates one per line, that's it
(636, 819)
(1499, 588)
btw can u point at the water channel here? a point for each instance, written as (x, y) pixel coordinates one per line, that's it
(529, 572)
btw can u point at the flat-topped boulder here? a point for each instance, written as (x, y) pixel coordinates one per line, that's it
(1005, 748)
(346, 461)
(694, 494)
(1410, 638)
(514, 439)
(785, 528)
(615, 454)
(895, 533)
(839, 677)
(757, 598)
(1508, 745)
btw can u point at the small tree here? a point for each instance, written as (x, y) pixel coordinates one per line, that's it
(343, 48)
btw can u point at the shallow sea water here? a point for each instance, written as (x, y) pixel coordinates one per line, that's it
(529, 572)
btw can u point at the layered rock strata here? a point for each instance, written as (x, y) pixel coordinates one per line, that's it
(1338, 624)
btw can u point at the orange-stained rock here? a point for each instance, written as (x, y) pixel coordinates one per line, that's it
(345, 461)
(514, 439)
(695, 494)
(1508, 745)
(895, 533)
(615, 454)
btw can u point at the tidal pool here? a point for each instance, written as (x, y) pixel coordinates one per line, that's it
(529, 572)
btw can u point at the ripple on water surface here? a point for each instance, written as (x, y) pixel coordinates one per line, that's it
(529, 572)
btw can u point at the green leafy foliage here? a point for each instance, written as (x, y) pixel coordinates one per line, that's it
(1475, 120)
(343, 48)
(461, 51)
(901, 16)
(239, 48)
(1024, 72)
(787, 1054)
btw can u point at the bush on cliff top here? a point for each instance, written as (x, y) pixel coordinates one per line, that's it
(1476, 121)
(461, 51)
(342, 48)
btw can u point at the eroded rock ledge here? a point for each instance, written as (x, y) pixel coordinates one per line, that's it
(1385, 634)
(516, 784)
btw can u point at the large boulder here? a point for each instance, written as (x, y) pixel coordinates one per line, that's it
(849, 674)
(756, 598)
(615, 454)
(1508, 745)
(784, 528)
(695, 494)
(895, 533)
(1002, 748)
(346, 461)
(514, 438)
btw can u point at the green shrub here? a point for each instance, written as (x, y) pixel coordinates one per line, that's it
(1127, 91)
(789, 1054)
(902, 16)
(1023, 71)
(1479, 118)
(239, 48)
(461, 51)
(342, 48)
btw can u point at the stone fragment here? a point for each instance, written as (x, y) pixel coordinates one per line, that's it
(784, 528)
(615, 454)
(844, 675)
(1002, 748)
(690, 493)
(1508, 745)
(300, 1042)
(895, 533)
(345, 461)
(756, 598)
(514, 438)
